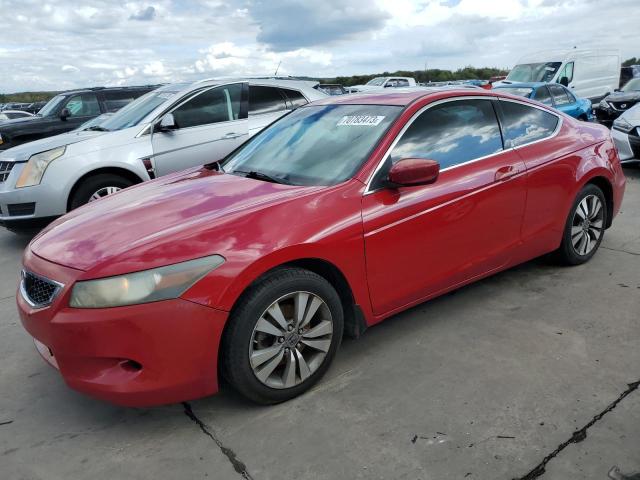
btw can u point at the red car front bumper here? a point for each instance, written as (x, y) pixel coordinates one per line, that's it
(140, 355)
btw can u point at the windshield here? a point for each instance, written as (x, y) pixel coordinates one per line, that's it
(316, 145)
(520, 91)
(134, 112)
(94, 121)
(534, 72)
(631, 85)
(51, 106)
(378, 81)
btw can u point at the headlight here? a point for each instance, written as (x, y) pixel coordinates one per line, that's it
(36, 166)
(622, 124)
(1, 141)
(143, 287)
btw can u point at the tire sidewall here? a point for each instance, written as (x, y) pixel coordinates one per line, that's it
(239, 339)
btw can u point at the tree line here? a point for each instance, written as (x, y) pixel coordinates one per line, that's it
(429, 75)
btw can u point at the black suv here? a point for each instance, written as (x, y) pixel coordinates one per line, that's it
(67, 111)
(618, 102)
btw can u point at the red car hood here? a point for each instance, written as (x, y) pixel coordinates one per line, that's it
(159, 222)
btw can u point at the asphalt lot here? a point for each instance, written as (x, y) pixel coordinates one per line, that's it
(483, 383)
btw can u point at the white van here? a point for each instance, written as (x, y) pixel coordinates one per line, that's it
(589, 74)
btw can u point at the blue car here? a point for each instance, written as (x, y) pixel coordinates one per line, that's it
(554, 95)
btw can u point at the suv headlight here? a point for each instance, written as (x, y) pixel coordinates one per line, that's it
(622, 124)
(1, 140)
(153, 285)
(36, 166)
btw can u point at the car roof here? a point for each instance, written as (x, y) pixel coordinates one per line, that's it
(400, 96)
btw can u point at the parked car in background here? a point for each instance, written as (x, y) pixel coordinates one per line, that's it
(67, 111)
(590, 74)
(615, 104)
(626, 133)
(380, 83)
(169, 129)
(15, 106)
(335, 217)
(13, 114)
(627, 73)
(552, 94)
(34, 107)
(332, 88)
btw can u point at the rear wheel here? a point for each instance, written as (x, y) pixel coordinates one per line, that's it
(282, 336)
(97, 187)
(585, 226)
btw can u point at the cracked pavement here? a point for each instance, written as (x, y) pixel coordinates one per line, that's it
(484, 383)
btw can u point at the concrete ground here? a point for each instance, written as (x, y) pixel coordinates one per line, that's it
(484, 383)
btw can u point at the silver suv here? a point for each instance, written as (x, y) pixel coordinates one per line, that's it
(169, 129)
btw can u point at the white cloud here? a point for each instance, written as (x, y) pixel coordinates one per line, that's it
(61, 44)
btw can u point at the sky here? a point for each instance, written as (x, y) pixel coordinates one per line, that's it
(64, 44)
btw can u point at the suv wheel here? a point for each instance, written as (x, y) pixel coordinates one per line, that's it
(98, 186)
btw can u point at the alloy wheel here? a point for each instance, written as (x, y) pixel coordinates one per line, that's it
(291, 340)
(103, 192)
(587, 225)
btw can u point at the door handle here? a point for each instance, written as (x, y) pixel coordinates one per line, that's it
(506, 172)
(232, 135)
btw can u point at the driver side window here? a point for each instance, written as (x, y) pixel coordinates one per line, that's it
(567, 72)
(216, 105)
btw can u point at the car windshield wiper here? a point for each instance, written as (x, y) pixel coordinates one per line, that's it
(261, 176)
(97, 128)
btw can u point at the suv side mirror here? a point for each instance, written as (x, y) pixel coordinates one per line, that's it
(167, 123)
(564, 81)
(413, 171)
(64, 114)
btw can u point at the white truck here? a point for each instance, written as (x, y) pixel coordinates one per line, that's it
(589, 74)
(380, 83)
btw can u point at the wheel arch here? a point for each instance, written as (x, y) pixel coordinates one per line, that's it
(123, 172)
(605, 185)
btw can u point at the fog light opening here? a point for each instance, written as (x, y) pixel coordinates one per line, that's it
(130, 365)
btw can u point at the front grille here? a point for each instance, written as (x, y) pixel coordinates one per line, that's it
(5, 170)
(21, 209)
(38, 291)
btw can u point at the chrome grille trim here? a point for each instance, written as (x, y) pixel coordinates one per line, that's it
(38, 291)
(5, 170)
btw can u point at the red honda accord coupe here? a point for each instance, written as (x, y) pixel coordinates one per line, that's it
(340, 214)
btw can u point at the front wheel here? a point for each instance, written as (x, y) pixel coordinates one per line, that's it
(282, 336)
(96, 187)
(585, 226)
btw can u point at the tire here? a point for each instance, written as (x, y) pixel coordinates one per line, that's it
(246, 343)
(95, 184)
(574, 249)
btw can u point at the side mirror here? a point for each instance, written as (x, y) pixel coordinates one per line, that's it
(64, 114)
(413, 171)
(618, 90)
(167, 123)
(564, 81)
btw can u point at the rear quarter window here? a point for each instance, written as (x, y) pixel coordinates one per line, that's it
(523, 124)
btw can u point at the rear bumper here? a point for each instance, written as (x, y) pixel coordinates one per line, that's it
(140, 355)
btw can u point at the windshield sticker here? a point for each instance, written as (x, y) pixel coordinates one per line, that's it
(364, 120)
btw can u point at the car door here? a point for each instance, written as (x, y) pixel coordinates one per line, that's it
(210, 124)
(425, 239)
(266, 105)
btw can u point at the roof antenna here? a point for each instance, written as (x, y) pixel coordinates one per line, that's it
(277, 68)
